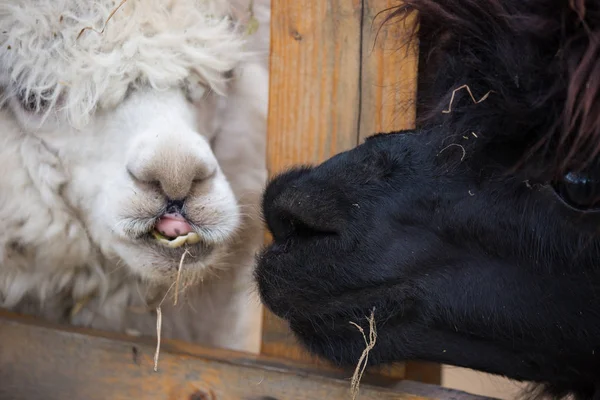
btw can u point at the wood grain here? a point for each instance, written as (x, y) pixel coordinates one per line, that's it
(389, 71)
(44, 361)
(313, 104)
(314, 80)
(332, 85)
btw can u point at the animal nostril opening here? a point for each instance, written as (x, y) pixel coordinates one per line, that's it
(292, 209)
(147, 181)
(204, 174)
(174, 206)
(294, 225)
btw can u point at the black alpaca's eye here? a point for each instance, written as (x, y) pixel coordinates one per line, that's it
(579, 190)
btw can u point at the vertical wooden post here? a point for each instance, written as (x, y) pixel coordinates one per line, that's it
(389, 72)
(332, 84)
(314, 102)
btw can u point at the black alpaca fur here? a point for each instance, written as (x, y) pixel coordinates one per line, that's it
(476, 238)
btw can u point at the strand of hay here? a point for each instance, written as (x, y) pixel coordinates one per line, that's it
(253, 23)
(179, 276)
(362, 362)
(159, 311)
(158, 329)
(464, 152)
(112, 13)
(449, 110)
(80, 304)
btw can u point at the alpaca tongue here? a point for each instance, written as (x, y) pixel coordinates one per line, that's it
(173, 225)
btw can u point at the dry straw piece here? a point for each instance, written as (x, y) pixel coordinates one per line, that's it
(253, 23)
(159, 311)
(362, 362)
(158, 329)
(179, 277)
(112, 13)
(468, 89)
(464, 152)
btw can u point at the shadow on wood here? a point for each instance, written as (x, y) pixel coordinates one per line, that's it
(43, 361)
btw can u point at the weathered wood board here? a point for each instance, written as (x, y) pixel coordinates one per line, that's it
(40, 361)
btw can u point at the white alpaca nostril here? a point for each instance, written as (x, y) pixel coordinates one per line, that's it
(138, 177)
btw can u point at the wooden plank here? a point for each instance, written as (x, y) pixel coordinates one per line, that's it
(44, 361)
(423, 372)
(389, 71)
(313, 104)
(314, 80)
(326, 93)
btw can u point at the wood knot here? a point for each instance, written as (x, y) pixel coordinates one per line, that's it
(296, 35)
(135, 355)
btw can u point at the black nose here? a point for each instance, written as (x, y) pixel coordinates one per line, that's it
(296, 204)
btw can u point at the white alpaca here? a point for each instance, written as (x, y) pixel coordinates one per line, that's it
(155, 123)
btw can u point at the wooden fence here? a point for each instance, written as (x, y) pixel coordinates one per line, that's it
(332, 84)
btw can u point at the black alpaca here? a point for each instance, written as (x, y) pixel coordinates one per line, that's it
(476, 237)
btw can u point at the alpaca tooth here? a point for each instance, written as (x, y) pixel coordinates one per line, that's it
(177, 242)
(190, 238)
(193, 238)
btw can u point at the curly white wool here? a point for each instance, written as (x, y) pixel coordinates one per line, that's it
(53, 50)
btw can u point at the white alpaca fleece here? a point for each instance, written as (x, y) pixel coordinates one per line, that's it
(158, 111)
(51, 46)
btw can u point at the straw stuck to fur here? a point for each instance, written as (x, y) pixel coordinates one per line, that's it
(159, 311)
(362, 362)
(464, 152)
(468, 89)
(112, 13)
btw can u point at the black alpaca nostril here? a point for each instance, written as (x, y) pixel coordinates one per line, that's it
(294, 205)
(287, 219)
(291, 225)
(174, 206)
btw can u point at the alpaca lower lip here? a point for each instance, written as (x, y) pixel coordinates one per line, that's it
(194, 253)
(191, 238)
